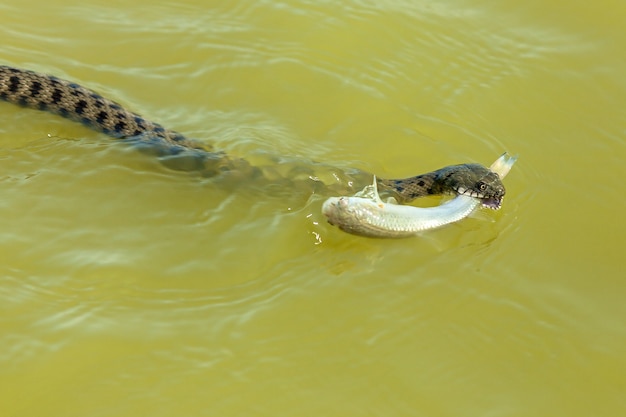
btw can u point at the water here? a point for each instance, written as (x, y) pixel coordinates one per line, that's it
(130, 289)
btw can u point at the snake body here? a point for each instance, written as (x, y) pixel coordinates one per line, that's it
(73, 101)
(46, 92)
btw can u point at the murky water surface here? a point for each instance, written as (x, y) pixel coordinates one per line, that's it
(129, 289)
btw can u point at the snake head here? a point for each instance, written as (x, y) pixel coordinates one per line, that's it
(477, 181)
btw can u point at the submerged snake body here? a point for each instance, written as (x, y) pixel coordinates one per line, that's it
(70, 100)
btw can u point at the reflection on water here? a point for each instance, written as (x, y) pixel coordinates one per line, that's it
(152, 291)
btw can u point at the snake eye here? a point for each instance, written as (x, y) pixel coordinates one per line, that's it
(482, 186)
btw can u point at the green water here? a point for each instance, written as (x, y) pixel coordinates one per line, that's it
(127, 289)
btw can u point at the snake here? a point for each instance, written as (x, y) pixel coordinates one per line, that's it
(70, 100)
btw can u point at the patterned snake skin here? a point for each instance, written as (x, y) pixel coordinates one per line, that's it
(473, 180)
(45, 92)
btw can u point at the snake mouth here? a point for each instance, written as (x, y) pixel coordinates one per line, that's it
(492, 202)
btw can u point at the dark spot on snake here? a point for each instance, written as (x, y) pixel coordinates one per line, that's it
(102, 117)
(80, 107)
(177, 138)
(430, 191)
(115, 106)
(22, 100)
(57, 96)
(137, 132)
(42, 105)
(35, 88)
(119, 127)
(14, 84)
(63, 112)
(139, 120)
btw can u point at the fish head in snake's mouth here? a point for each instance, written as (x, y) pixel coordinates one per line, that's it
(479, 182)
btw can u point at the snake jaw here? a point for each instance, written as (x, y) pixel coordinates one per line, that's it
(470, 193)
(493, 202)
